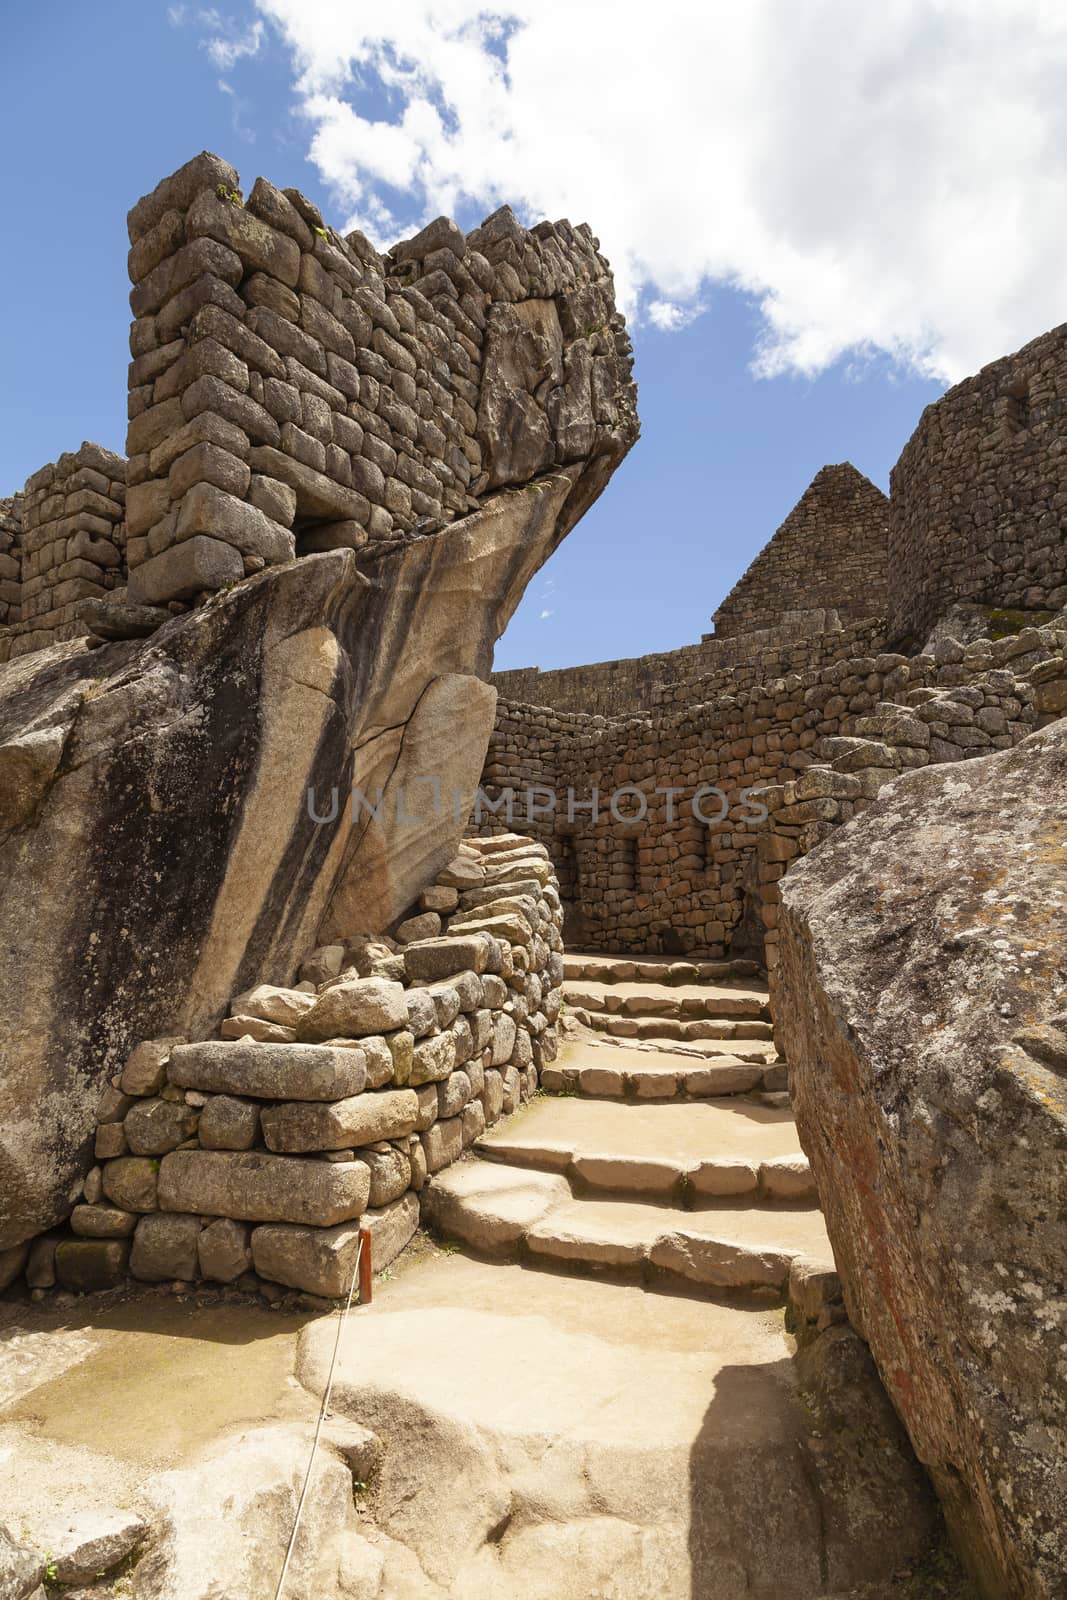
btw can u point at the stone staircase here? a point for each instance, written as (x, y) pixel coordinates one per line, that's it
(662, 1146)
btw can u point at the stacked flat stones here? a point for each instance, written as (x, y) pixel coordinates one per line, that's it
(832, 550)
(256, 1158)
(10, 568)
(959, 703)
(652, 884)
(62, 542)
(799, 641)
(292, 390)
(977, 497)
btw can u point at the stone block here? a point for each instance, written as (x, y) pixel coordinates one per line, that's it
(228, 1123)
(453, 1094)
(185, 570)
(145, 1071)
(155, 1126)
(269, 1071)
(354, 1007)
(102, 1222)
(164, 1247)
(443, 1143)
(317, 1260)
(362, 1119)
(391, 1229)
(390, 1173)
(87, 1543)
(209, 510)
(254, 1187)
(223, 1250)
(433, 1059)
(130, 1183)
(86, 1265)
(430, 959)
(273, 1004)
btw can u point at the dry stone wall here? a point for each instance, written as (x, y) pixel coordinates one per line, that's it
(800, 639)
(955, 705)
(831, 551)
(292, 390)
(665, 880)
(256, 1158)
(62, 542)
(979, 502)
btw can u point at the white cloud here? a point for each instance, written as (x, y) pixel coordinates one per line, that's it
(226, 48)
(669, 317)
(546, 614)
(886, 178)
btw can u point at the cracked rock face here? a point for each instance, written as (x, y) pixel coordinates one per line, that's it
(157, 854)
(923, 1006)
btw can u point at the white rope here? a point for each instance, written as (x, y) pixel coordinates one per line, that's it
(323, 1409)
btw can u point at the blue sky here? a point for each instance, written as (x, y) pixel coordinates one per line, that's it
(804, 239)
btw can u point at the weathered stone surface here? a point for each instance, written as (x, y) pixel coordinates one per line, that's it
(89, 1264)
(130, 1182)
(354, 1007)
(223, 1250)
(390, 1173)
(429, 959)
(21, 1568)
(433, 1059)
(270, 1071)
(317, 1260)
(89, 1543)
(918, 945)
(363, 1119)
(228, 1123)
(153, 1127)
(145, 1071)
(103, 1222)
(184, 570)
(253, 1187)
(270, 1003)
(164, 1247)
(443, 1143)
(390, 1229)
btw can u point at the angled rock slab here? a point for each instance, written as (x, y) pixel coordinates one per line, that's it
(922, 945)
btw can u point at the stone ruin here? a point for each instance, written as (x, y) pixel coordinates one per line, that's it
(882, 708)
(343, 469)
(247, 1017)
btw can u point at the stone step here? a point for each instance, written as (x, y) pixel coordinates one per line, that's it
(688, 1156)
(657, 1027)
(655, 969)
(621, 1072)
(520, 1214)
(680, 1001)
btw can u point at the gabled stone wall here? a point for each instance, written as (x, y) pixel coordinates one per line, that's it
(979, 495)
(831, 551)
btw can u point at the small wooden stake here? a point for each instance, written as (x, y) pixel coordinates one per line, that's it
(366, 1269)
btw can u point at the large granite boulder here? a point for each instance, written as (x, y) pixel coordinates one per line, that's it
(161, 841)
(923, 1007)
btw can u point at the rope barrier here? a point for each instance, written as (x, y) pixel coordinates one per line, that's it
(323, 1409)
